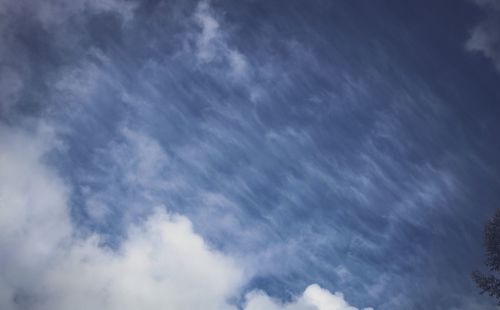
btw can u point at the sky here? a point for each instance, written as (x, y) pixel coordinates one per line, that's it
(247, 155)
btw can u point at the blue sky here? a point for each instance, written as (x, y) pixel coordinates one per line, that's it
(274, 155)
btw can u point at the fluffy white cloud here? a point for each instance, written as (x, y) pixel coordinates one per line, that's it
(48, 263)
(33, 215)
(161, 264)
(313, 298)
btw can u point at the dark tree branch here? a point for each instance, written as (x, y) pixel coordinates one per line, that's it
(488, 283)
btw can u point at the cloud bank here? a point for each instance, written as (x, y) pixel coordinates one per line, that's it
(47, 263)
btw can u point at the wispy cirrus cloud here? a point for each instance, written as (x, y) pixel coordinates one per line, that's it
(31, 49)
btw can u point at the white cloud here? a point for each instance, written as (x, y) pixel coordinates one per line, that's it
(313, 298)
(33, 215)
(161, 263)
(212, 46)
(209, 37)
(47, 263)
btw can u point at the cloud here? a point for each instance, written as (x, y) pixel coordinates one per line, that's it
(33, 36)
(313, 298)
(211, 44)
(56, 12)
(210, 36)
(49, 263)
(31, 195)
(485, 37)
(162, 263)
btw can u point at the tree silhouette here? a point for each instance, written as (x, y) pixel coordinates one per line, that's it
(489, 283)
